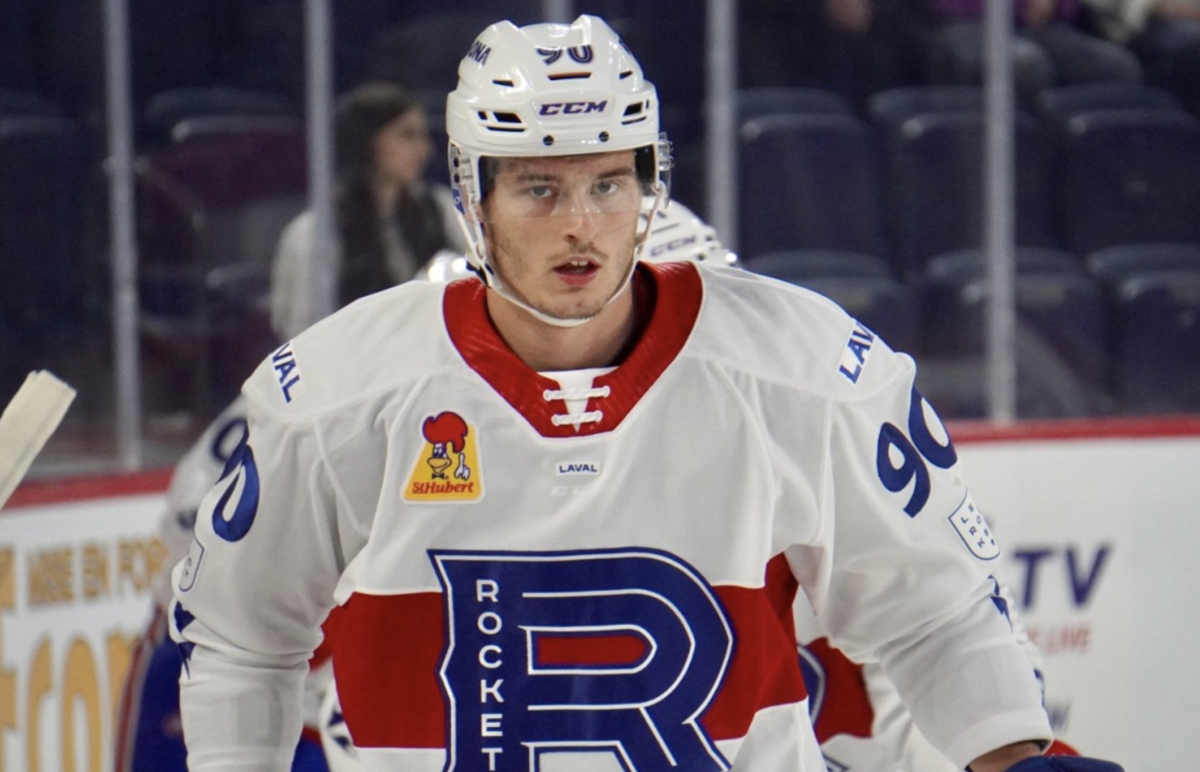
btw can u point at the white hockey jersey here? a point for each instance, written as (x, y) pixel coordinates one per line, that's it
(539, 577)
(859, 718)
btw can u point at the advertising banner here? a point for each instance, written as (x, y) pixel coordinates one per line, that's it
(75, 584)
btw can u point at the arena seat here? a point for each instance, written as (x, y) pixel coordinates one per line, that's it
(787, 100)
(1129, 176)
(211, 206)
(1059, 104)
(934, 195)
(1156, 342)
(1112, 264)
(1059, 306)
(894, 106)
(1154, 346)
(43, 167)
(800, 264)
(808, 182)
(166, 110)
(27, 103)
(862, 284)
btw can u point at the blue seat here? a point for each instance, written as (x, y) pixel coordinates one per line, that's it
(882, 303)
(935, 190)
(211, 206)
(1113, 264)
(1062, 314)
(1155, 347)
(42, 304)
(166, 110)
(797, 265)
(787, 100)
(17, 103)
(808, 182)
(861, 284)
(1059, 104)
(894, 106)
(283, 128)
(1129, 176)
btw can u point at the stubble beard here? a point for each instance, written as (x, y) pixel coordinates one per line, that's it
(502, 248)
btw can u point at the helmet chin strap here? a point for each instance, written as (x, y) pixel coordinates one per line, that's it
(492, 279)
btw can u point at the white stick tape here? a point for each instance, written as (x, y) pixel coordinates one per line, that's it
(27, 423)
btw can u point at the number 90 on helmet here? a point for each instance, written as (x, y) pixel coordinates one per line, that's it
(550, 90)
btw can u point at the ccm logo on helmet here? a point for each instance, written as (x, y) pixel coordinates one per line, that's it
(572, 108)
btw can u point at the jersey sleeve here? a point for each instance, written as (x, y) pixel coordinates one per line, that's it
(251, 594)
(908, 580)
(192, 478)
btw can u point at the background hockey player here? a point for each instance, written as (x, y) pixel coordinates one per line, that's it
(149, 736)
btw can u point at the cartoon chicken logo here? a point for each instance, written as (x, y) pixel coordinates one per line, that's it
(444, 469)
(447, 430)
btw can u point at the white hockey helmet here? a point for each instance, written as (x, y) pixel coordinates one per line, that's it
(445, 266)
(549, 90)
(678, 233)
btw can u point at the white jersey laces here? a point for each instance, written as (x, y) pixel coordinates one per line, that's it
(576, 395)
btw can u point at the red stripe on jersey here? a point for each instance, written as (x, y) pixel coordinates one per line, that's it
(603, 650)
(329, 631)
(386, 665)
(847, 709)
(678, 289)
(389, 652)
(764, 671)
(781, 587)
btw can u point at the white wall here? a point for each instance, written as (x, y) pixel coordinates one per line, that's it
(1121, 666)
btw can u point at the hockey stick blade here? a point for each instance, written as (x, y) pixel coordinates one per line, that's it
(27, 423)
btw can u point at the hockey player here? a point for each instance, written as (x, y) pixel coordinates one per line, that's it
(858, 717)
(860, 722)
(149, 737)
(565, 508)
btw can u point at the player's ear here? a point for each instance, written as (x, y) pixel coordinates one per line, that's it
(475, 213)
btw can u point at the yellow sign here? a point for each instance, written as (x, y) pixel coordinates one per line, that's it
(75, 582)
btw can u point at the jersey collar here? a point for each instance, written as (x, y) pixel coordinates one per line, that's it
(678, 292)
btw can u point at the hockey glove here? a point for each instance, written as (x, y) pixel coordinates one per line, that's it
(1064, 764)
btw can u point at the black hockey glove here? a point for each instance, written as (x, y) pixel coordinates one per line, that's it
(1064, 764)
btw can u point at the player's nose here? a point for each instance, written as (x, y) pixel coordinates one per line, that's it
(579, 222)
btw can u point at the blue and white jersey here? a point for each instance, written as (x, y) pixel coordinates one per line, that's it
(590, 570)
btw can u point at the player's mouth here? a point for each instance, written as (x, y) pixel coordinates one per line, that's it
(577, 271)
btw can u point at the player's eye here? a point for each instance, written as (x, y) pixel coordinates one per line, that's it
(607, 187)
(539, 191)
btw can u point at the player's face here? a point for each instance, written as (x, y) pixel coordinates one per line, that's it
(561, 231)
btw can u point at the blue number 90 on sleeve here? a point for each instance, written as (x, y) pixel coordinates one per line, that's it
(916, 450)
(239, 483)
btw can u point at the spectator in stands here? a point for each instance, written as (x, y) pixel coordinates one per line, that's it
(852, 47)
(1050, 48)
(1165, 35)
(389, 220)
